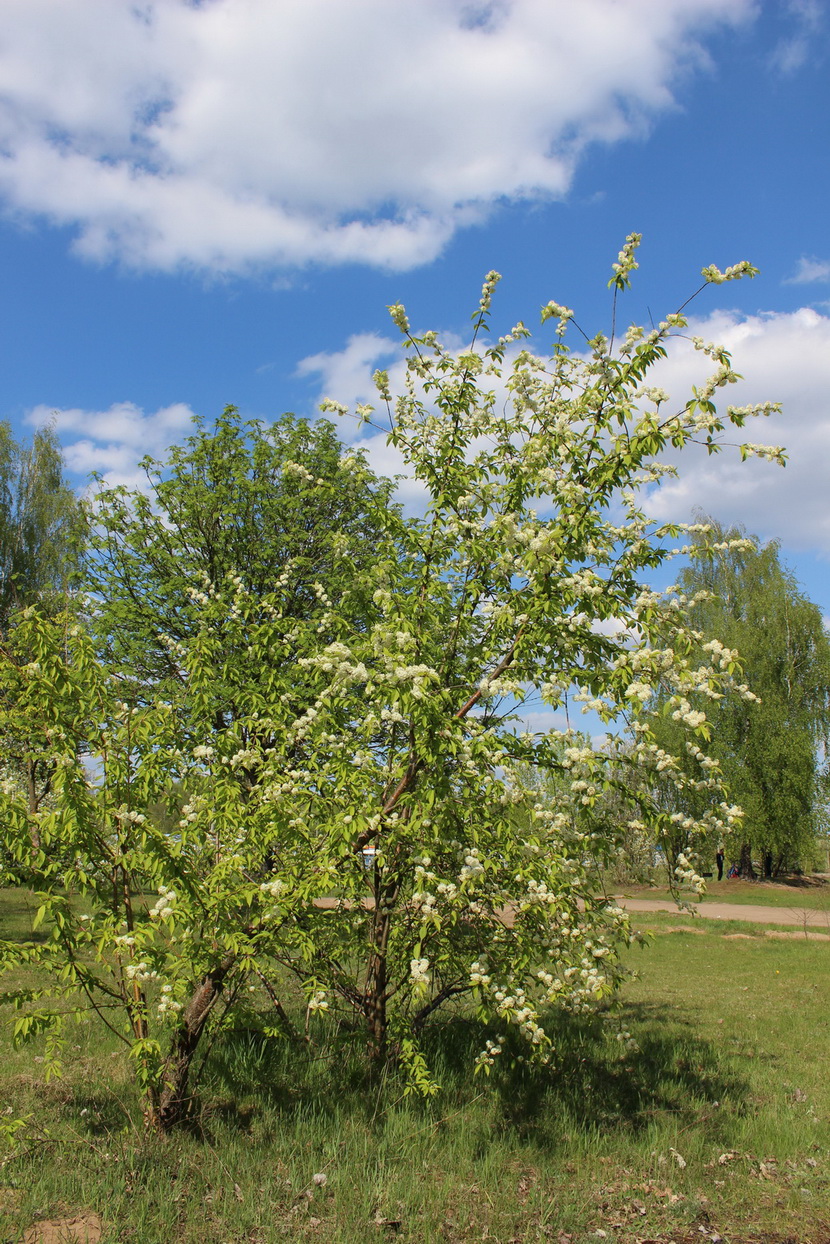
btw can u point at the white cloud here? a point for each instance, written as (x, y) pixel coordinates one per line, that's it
(542, 721)
(809, 270)
(792, 52)
(228, 134)
(346, 375)
(785, 357)
(112, 442)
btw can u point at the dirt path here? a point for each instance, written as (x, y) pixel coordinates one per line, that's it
(795, 915)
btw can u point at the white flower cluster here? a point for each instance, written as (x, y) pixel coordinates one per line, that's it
(140, 972)
(128, 816)
(538, 892)
(337, 659)
(585, 985)
(654, 394)
(399, 318)
(706, 762)
(626, 264)
(274, 888)
(763, 409)
(490, 282)
(724, 656)
(486, 1059)
(472, 866)
(163, 909)
(318, 1001)
(719, 353)
(198, 598)
(771, 453)
(419, 972)
(167, 1003)
(686, 874)
(518, 1010)
(685, 712)
(479, 976)
(191, 810)
(424, 903)
(713, 275)
(625, 1038)
(246, 758)
(297, 468)
(172, 645)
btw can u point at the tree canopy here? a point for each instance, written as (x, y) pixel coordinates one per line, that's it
(241, 502)
(41, 522)
(340, 706)
(747, 607)
(42, 530)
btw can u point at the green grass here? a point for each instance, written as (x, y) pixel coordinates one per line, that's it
(729, 1078)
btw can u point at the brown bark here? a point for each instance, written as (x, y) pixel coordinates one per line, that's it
(745, 866)
(35, 798)
(376, 993)
(174, 1098)
(376, 986)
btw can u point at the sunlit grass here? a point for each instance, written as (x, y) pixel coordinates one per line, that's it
(718, 1119)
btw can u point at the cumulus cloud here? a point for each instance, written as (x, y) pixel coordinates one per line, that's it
(229, 134)
(784, 357)
(112, 442)
(809, 270)
(346, 375)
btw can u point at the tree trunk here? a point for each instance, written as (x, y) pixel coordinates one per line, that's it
(377, 979)
(376, 984)
(34, 801)
(174, 1099)
(746, 868)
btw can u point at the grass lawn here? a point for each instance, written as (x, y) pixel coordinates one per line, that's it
(715, 1127)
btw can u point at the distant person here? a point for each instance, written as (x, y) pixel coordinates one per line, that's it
(719, 859)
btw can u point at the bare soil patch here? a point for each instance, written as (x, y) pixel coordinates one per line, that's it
(80, 1229)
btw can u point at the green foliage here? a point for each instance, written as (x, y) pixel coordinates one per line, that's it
(42, 529)
(769, 744)
(41, 522)
(334, 688)
(239, 501)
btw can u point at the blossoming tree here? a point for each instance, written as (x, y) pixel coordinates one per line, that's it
(362, 838)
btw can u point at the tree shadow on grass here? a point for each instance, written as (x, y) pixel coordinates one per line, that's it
(593, 1082)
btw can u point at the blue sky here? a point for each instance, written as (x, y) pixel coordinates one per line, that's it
(212, 202)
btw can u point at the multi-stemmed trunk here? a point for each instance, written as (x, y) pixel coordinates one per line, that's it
(172, 1100)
